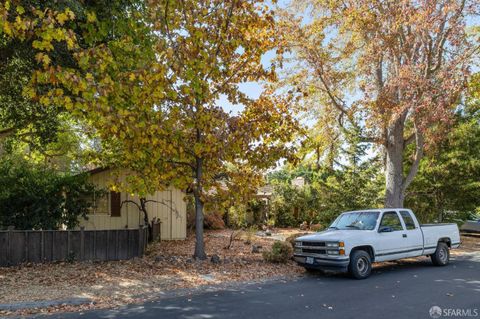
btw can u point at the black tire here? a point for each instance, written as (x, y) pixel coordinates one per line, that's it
(360, 266)
(441, 257)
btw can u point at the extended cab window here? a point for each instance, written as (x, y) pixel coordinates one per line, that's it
(407, 218)
(390, 219)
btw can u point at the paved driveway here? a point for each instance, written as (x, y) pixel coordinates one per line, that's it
(405, 290)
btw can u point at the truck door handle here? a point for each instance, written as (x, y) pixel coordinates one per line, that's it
(404, 235)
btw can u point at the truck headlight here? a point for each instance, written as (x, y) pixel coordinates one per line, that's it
(333, 252)
(298, 244)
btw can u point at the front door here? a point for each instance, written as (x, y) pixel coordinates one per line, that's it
(392, 243)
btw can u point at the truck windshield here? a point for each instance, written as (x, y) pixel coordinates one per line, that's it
(356, 220)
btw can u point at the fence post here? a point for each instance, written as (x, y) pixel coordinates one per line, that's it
(26, 245)
(42, 245)
(116, 245)
(140, 243)
(160, 231)
(82, 243)
(68, 245)
(9, 246)
(109, 232)
(94, 245)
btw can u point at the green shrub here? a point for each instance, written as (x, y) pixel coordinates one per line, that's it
(35, 197)
(281, 252)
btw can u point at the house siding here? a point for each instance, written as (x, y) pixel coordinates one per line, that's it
(170, 208)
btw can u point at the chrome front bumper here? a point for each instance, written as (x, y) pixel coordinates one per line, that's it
(339, 264)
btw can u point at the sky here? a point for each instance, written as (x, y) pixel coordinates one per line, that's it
(252, 89)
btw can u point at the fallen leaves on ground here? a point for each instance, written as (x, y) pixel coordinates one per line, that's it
(167, 266)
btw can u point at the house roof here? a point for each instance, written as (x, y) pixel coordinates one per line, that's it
(97, 170)
(266, 190)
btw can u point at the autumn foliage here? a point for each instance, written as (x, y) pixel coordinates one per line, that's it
(396, 69)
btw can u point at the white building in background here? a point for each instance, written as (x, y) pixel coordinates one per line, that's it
(113, 212)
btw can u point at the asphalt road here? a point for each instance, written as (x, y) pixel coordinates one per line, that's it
(397, 290)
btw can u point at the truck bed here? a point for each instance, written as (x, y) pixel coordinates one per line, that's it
(432, 233)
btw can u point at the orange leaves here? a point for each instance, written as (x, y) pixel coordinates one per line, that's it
(389, 57)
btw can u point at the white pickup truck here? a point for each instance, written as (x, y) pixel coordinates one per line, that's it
(358, 238)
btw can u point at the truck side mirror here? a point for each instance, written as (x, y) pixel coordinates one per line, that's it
(385, 229)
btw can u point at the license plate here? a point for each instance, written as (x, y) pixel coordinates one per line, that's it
(309, 260)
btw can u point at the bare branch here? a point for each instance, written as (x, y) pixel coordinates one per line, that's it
(419, 140)
(128, 201)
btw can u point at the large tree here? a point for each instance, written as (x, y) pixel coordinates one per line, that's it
(30, 27)
(155, 105)
(448, 182)
(398, 68)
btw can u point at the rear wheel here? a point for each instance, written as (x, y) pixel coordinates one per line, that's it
(441, 257)
(360, 265)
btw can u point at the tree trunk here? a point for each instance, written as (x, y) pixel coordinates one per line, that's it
(226, 218)
(395, 182)
(143, 206)
(394, 194)
(199, 243)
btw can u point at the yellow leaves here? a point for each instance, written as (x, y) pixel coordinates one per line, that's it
(70, 43)
(62, 18)
(7, 28)
(131, 77)
(70, 14)
(65, 16)
(20, 10)
(91, 17)
(44, 100)
(43, 58)
(197, 149)
(68, 103)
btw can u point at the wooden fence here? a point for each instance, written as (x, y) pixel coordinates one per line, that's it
(36, 246)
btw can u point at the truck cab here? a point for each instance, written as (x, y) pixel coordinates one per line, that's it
(356, 239)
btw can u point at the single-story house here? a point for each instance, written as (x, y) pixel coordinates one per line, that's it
(113, 211)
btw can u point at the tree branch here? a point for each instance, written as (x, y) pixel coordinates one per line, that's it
(419, 141)
(7, 131)
(409, 139)
(131, 202)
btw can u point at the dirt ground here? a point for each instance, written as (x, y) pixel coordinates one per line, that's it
(168, 266)
(469, 243)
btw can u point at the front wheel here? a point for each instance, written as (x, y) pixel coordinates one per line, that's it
(441, 257)
(360, 265)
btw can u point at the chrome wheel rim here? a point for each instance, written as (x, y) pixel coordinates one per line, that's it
(362, 265)
(443, 255)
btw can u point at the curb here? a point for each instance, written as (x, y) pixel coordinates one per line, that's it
(44, 304)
